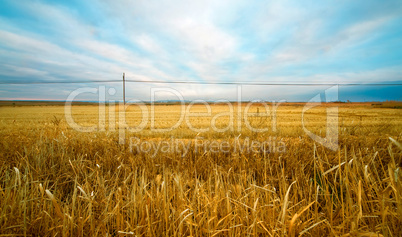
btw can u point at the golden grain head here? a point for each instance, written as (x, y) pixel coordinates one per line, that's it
(56, 181)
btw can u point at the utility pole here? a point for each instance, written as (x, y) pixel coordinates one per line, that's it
(124, 90)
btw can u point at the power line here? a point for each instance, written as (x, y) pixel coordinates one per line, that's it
(207, 83)
(269, 83)
(55, 82)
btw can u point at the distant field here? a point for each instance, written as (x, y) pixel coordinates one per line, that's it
(212, 174)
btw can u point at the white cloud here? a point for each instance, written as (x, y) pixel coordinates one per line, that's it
(148, 43)
(11, 70)
(198, 40)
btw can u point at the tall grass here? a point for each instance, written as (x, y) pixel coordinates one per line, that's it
(58, 182)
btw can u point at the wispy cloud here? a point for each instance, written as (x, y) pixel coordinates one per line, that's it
(205, 41)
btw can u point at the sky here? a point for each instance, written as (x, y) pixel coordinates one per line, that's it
(44, 42)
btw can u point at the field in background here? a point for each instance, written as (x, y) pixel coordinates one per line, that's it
(56, 181)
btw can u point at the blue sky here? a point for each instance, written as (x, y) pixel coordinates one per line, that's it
(205, 41)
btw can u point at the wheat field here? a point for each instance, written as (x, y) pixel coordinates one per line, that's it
(56, 181)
